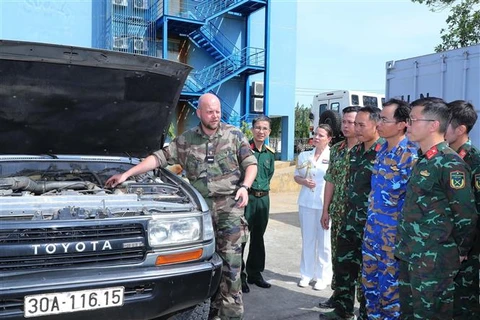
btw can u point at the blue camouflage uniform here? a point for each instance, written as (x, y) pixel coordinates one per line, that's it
(391, 172)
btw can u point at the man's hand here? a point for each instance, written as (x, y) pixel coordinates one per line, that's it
(115, 180)
(242, 197)
(463, 258)
(325, 220)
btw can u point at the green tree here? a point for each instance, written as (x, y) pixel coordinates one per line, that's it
(302, 121)
(171, 131)
(276, 125)
(463, 23)
(245, 127)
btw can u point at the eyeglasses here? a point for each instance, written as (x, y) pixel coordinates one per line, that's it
(385, 120)
(261, 128)
(411, 120)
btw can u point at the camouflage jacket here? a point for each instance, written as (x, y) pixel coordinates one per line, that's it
(266, 167)
(337, 175)
(215, 164)
(471, 156)
(390, 174)
(359, 185)
(439, 214)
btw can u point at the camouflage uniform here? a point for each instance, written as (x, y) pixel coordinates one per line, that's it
(349, 240)
(466, 304)
(217, 181)
(257, 212)
(437, 226)
(337, 175)
(380, 268)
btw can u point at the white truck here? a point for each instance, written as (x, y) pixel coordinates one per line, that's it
(451, 75)
(327, 107)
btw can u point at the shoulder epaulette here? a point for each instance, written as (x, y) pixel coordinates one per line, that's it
(269, 149)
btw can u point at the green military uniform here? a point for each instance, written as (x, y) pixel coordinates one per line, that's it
(337, 175)
(349, 239)
(215, 165)
(437, 227)
(257, 211)
(466, 304)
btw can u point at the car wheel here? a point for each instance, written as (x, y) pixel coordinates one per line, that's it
(199, 312)
(333, 119)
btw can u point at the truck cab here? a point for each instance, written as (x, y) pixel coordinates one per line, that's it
(327, 107)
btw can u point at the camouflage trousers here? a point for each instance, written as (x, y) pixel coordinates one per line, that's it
(380, 282)
(335, 231)
(466, 300)
(230, 231)
(348, 263)
(425, 294)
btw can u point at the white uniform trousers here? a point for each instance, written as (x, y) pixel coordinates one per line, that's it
(316, 262)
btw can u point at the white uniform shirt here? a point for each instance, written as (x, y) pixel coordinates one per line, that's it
(316, 169)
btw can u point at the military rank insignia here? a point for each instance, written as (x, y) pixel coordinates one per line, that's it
(457, 180)
(477, 181)
(425, 173)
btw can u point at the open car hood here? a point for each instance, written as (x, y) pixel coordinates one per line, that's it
(68, 100)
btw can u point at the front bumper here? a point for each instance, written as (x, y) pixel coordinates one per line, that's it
(149, 291)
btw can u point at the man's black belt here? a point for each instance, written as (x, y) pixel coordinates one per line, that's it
(258, 193)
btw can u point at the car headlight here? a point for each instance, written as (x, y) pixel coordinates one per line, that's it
(168, 231)
(208, 233)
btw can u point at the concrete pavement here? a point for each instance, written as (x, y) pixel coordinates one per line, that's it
(284, 300)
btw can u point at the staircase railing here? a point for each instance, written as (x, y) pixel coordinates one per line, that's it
(220, 42)
(219, 72)
(175, 8)
(208, 9)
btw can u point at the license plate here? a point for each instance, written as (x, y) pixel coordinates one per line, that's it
(62, 302)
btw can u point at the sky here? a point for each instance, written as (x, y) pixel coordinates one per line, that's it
(52, 21)
(340, 44)
(345, 44)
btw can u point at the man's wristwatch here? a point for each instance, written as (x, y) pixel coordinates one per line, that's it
(245, 186)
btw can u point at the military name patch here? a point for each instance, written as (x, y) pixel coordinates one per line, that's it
(457, 180)
(477, 181)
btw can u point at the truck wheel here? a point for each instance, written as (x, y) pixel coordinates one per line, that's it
(333, 119)
(199, 312)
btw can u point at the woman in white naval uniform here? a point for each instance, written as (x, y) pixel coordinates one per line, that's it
(316, 262)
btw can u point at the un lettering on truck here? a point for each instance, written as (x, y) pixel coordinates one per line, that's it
(451, 75)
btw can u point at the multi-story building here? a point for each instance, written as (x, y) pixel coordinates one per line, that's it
(242, 50)
(226, 42)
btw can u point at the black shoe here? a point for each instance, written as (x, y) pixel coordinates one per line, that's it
(329, 304)
(331, 315)
(260, 283)
(245, 288)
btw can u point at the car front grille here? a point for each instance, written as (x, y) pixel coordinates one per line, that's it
(124, 243)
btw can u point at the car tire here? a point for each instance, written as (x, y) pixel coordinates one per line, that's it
(199, 312)
(332, 118)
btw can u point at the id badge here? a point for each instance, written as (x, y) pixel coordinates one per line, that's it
(209, 159)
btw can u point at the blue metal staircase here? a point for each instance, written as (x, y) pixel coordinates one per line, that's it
(196, 22)
(211, 9)
(248, 60)
(210, 38)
